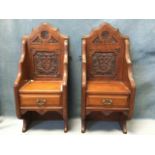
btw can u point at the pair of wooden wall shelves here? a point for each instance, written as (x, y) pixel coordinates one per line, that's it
(108, 87)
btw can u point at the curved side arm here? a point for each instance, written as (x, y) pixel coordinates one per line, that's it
(129, 76)
(65, 81)
(84, 81)
(84, 76)
(65, 63)
(21, 74)
(21, 77)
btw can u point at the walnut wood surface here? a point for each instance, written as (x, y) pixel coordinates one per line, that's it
(106, 77)
(111, 87)
(117, 101)
(42, 79)
(33, 100)
(41, 87)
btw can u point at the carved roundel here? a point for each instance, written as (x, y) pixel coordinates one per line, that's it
(46, 63)
(103, 64)
(44, 34)
(105, 34)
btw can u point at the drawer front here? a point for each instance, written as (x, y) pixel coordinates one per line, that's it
(107, 100)
(29, 100)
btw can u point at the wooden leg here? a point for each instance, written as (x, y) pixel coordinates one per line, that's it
(65, 118)
(83, 126)
(65, 125)
(123, 124)
(25, 125)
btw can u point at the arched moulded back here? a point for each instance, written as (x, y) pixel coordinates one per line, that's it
(105, 53)
(46, 52)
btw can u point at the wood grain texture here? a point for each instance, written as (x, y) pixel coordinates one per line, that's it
(41, 87)
(107, 101)
(111, 87)
(108, 87)
(42, 79)
(40, 100)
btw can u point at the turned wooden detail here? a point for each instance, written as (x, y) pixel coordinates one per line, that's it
(42, 81)
(108, 87)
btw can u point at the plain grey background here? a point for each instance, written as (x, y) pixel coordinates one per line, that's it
(142, 39)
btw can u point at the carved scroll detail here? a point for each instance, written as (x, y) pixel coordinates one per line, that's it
(52, 40)
(97, 40)
(46, 63)
(37, 40)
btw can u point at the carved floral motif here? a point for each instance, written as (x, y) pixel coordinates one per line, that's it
(46, 63)
(103, 64)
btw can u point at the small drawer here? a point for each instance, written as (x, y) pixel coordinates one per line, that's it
(107, 100)
(35, 100)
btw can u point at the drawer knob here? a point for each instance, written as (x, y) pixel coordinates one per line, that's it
(40, 102)
(107, 101)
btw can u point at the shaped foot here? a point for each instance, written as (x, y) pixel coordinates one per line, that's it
(65, 127)
(25, 125)
(123, 125)
(83, 126)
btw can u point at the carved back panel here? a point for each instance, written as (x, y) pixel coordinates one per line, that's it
(105, 53)
(46, 52)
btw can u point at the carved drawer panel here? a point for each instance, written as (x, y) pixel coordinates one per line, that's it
(35, 100)
(107, 101)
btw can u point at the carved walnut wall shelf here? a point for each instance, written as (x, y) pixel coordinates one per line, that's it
(41, 84)
(108, 88)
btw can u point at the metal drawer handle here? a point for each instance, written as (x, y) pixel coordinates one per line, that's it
(41, 102)
(107, 101)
